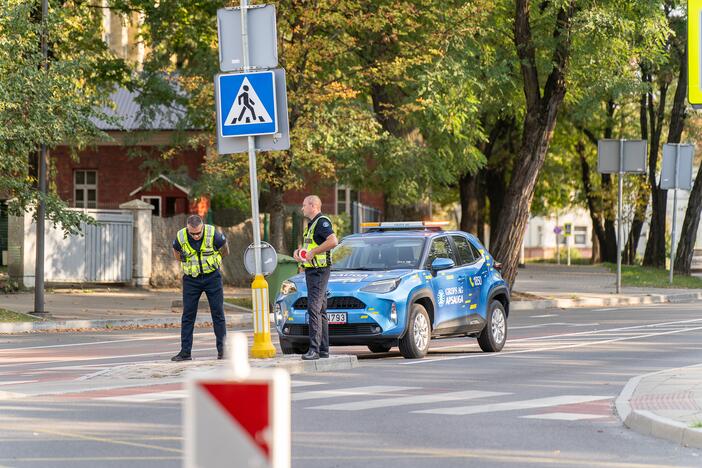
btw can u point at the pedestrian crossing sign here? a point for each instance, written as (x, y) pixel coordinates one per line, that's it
(247, 104)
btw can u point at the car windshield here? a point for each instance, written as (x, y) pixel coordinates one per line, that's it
(377, 253)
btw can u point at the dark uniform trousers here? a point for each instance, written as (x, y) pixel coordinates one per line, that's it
(193, 287)
(317, 280)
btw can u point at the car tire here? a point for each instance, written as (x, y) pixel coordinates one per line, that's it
(493, 337)
(379, 348)
(415, 343)
(293, 348)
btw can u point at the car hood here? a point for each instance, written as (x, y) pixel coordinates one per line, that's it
(358, 276)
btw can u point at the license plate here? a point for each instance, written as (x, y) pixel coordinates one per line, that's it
(336, 317)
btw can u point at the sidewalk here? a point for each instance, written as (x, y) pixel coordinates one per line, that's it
(562, 286)
(538, 287)
(665, 404)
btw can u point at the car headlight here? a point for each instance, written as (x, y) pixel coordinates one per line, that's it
(382, 286)
(288, 287)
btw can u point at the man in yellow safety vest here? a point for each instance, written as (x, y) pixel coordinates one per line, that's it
(199, 248)
(315, 256)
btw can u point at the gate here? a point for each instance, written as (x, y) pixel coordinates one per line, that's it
(102, 254)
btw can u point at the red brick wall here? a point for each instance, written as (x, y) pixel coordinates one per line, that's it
(117, 174)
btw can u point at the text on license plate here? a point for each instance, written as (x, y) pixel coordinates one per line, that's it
(336, 317)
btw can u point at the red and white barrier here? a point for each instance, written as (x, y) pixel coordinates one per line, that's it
(237, 417)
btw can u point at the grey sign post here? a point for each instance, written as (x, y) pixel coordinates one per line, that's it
(621, 157)
(676, 173)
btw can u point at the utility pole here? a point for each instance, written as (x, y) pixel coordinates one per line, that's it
(41, 205)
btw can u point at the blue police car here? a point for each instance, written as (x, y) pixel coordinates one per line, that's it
(403, 284)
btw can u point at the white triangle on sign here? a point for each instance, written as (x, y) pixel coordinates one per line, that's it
(247, 108)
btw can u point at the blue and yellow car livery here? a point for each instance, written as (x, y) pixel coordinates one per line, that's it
(403, 284)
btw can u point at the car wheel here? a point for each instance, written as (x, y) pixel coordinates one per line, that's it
(379, 348)
(493, 337)
(415, 343)
(293, 348)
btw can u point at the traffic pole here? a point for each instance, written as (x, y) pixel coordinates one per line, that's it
(262, 346)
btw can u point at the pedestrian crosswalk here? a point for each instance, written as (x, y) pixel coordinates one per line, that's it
(425, 401)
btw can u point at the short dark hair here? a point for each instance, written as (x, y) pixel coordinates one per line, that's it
(194, 221)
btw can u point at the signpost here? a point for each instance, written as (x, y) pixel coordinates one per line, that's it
(621, 157)
(676, 173)
(568, 233)
(236, 416)
(252, 115)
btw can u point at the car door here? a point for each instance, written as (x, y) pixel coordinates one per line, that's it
(469, 271)
(446, 284)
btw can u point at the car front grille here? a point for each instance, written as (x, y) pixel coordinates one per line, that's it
(341, 302)
(348, 329)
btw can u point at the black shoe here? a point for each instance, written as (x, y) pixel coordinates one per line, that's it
(181, 357)
(220, 355)
(324, 355)
(310, 356)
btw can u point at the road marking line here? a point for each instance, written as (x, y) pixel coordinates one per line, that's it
(145, 397)
(300, 383)
(409, 400)
(17, 382)
(146, 338)
(552, 348)
(565, 416)
(372, 390)
(543, 316)
(514, 405)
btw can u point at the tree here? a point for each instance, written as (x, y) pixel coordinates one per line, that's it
(57, 106)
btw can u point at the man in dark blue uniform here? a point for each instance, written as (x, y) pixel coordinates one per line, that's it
(315, 256)
(200, 248)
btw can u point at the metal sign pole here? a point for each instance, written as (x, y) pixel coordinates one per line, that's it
(262, 346)
(253, 177)
(620, 232)
(675, 210)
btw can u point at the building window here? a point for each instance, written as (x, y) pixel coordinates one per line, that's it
(85, 189)
(155, 201)
(345, 197)
(580, 235)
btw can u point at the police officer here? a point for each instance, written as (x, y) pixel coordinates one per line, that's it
(200, 248)
(315, 256)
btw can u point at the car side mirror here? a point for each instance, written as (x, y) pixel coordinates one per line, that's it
(442, 264)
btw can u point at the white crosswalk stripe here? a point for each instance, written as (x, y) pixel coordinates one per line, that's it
(515, 405)
(300, 383)
(565, 416)
(354, 391)
(146, 397)
(408, 400)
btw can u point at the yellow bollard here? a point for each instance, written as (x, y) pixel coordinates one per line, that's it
(262, 345)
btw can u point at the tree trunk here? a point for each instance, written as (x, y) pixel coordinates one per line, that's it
(539, 123)
(595, 213)
(655, 247)
(469, 188)
(688, 235)
(277, 226)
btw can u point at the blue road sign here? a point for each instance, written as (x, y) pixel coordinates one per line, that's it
(247, 105)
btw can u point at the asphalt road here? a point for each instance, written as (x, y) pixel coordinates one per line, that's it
(546, 400)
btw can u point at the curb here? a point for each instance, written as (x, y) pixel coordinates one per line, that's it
(605, 302)
(649, 423)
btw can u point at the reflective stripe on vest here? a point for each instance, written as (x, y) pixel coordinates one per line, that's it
(320, 260)
(207, 258)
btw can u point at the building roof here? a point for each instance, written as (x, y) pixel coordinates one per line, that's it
(130, 116)
(182, 188)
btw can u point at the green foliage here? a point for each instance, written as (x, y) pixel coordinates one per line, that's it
(55, 106)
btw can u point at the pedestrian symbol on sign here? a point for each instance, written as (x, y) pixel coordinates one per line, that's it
(247, 107)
